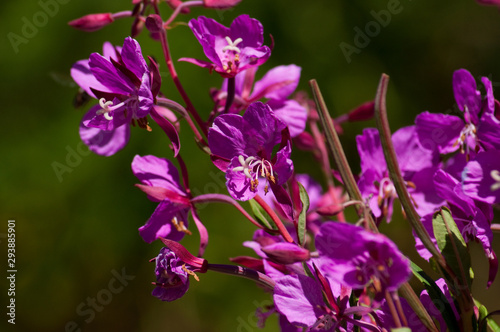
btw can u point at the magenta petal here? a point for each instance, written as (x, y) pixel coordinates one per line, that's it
(439, 131)
(490, 99)
(477, 177)
(370, 152)
(448, 188)
(357, 255)
(412, 156)
(291, 113)
(466, 94)
(104, 142)
(132, 57)
(157, 172)
(249, 29)
(299, 299)
(488, 132)
(278, 83)
(283, 165)
(260, 116)
(109, 76)
(229, 136)
(82, 75)
(160, 223)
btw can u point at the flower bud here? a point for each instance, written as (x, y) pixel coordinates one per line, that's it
(286, 253)
(92, 22)
(305, 141)
(175, 3)
(220, 4)
(363, 112)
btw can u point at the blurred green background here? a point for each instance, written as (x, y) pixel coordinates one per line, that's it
(74, 235)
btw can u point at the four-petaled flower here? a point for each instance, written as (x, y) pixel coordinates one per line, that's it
(476, 130)
(356, 258)
(126, 89)
(172, 276)
(232, 49)
(242, 146)
(160, 180)
(276, 86)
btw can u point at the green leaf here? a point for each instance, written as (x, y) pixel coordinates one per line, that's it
(301, 226)
(307, 270)
(453, 248)
(401, 329)
(483, 314)
(436, 296)
(259, 215)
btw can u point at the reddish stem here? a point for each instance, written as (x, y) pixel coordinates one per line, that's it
(277, 221)
(170, 65)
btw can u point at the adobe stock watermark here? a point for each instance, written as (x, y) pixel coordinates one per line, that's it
(74, 156)
(31, 24)
(73, 159)
(372, 29)
(92, 305)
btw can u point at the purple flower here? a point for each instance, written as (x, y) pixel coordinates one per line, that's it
(126, 89)
(417, 167)
(387, 320)
(232, 49)
(172, 277)
(430, 305)
(481, 177)
(472, 217)
(276, 86)
(355, 257)
(160, 180)
(320, 304)
(242, 146)
(477, 128)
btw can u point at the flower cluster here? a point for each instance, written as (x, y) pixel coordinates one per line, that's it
(323, 271)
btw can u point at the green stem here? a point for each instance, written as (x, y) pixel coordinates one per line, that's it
(397, 177)
(352, 189)
(337, 152)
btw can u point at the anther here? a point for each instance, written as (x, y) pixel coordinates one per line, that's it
(179, 226)
(191, 273)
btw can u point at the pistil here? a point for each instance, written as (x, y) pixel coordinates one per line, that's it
(495, 174)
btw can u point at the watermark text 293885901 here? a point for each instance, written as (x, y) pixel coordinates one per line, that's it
(11, 271)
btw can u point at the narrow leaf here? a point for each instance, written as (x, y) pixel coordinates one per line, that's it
(259, 215)
(301, 225)
(437, 296)
(453, 246)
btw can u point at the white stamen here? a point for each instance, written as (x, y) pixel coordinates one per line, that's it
(495, 174)
(253, 168)
(105, 105)
(231, 46)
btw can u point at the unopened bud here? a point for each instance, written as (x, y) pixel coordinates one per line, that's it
(220, 4)
(175, 3)
(305, 141)
(330, 210)
(363, 112)
(92, 22)
(286, 253)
